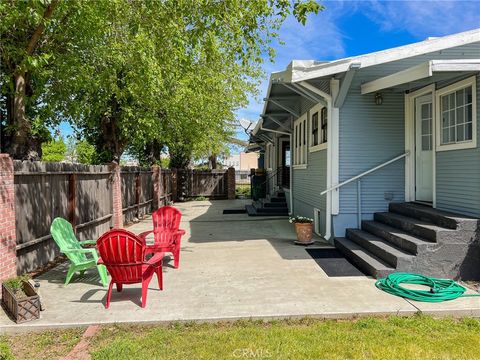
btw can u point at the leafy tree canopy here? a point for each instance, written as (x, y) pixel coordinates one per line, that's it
(54, 150)
(137, 75)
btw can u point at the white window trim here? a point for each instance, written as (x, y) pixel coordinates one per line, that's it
(300, 157)
(470, 144)
(322, 146)
(318, 147)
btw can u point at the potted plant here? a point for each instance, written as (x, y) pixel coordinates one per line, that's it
(20, 299)
(303, 228)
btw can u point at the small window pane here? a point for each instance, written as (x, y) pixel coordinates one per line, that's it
(425, 111)
(460, 132)
(452, 117)
(444, 101)
(445, 119)
(445, 136)
(451, 101)
(468, 95)
(468, 131)
(426, 143)
(460, 97)
(451, 137)
(468, 113)
(460, 119)
(426, 127)
(304, 132)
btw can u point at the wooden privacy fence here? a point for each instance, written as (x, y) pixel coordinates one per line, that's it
(138, 191)
(43, 191)
(92, 198)
(81, 194)
(212, 184)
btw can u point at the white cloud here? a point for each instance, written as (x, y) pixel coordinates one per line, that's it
(423, 18)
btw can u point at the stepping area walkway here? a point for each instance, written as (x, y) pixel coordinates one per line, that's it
(231, 266)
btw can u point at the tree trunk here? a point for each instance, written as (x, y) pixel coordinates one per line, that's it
(212, 162)
(21, 143)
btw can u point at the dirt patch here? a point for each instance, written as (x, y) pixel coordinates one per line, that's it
(47, 267)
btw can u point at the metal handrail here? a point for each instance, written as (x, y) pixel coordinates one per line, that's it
(366, 172)
(270, 176)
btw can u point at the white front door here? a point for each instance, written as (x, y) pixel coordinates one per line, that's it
(424, 148)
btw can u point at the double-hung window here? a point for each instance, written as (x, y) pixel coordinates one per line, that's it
(319, 123)
(456, 108)
(300, 141)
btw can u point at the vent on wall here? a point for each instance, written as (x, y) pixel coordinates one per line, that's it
(318, 216)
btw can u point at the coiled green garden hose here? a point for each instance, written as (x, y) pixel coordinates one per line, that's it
(440, 289)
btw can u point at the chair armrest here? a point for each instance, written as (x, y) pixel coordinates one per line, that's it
(155, 259)
(180, 232)
(88, 242)
(82, 251)
(100, 261)
(144, 234)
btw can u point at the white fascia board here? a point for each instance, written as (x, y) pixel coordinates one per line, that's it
(455, 65)
(421, 71)
(257, 127)
(388, 55)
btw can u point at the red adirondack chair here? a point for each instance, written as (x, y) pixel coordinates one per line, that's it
(123, 253)
(166, 232)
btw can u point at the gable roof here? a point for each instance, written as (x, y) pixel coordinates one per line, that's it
(301, 72)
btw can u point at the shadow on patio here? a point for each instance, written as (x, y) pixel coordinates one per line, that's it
(231, 266)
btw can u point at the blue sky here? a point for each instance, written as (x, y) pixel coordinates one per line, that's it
(348, 28)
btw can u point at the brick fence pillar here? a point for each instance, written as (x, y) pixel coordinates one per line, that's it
(8, 238)
(157, 186)
(117, 218)
(231, 183)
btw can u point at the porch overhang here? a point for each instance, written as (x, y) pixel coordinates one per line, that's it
(423, 71)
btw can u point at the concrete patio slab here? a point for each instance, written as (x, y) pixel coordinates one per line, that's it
(231, 267)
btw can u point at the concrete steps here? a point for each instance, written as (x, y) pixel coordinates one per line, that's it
(273, 206)
(363, 259)
(381, 248)
(414, 238)
(438, 217)
(397, 237)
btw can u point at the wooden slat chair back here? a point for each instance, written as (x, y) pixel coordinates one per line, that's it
(167, 235)
(80, 258)
(123, 253)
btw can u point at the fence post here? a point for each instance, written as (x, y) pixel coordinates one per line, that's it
(174, 184)
(231, 183)
(157, 186)
(117, 211)
(72, 200)
(8, 237)
(137, 193)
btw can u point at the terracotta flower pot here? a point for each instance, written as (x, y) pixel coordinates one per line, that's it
(304, 232)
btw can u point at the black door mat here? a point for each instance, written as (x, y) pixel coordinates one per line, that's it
(334, 263)
(234, 211)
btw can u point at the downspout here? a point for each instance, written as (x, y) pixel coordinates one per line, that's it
(291, 169)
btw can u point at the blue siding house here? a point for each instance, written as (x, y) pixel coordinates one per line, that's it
(382, 151)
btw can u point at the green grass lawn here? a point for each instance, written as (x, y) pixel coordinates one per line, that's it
(368, 338)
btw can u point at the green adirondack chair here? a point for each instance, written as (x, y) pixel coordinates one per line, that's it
(62, 233)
